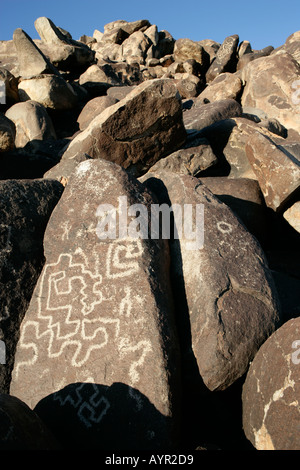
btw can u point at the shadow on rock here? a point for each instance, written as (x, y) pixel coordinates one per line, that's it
(85, 416)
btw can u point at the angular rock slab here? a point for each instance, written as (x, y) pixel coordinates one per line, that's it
(271, 85)
(224, 86)
(135, 132)
(102, 310)
(226, 58)
(277, 171)
(63, 51)
(271, 392)
(231, 299)
(32, 61)
(203, 115)
(25, 208)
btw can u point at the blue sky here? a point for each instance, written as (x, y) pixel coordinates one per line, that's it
(262, 22)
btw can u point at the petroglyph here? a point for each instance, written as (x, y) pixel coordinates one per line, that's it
(101, 312)
(89, 411)
(67, 314)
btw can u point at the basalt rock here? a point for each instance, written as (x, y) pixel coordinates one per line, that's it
(32, 122)
(135, 132)
(25, 210)
(215, 272)
(269, 86)
(101, 314)
(271, 392)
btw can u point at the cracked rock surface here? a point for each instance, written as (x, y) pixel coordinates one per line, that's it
(271, 406)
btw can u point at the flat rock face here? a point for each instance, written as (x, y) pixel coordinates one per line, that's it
(269, 86)
(31, 60)
(226, 58)
(203, 115)
(196, 157)
(63, 51)
(278, 172)
(245, 198)
(271, 392)
(230, 294)
(225, 86)
(51, 91)
(186, 49)
(25, 208)
(135, 132)
(101, 313)
(93, 108)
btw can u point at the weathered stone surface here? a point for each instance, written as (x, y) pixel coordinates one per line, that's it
(277, 171)
(211, 48)
(93, 108)
(114, 36)
(21, 428)
(165, 44)
(185, 49)
(63, 51)
(9, 57)
(49, 90)
(235, 148)
(292, 45)
(226, 58)
(98, 35)
(269, 82)
(244, 48)
(135, 132)
(229, 292)
(31, 60)
(271, 392)
(246, 58)
(274, 126)
(224, 86)
(101, 314)
(192, 159)
(202, 115)
(244, 198)
(136, 47)
(189, 86)
(32, 122)
(25, 210)
(152, 33)
(107, 51)
(7, 134)
(118, 93)
(292, 215)
(130, 27)
(98, 78)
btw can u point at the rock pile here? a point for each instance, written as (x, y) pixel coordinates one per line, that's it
(149, 241)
